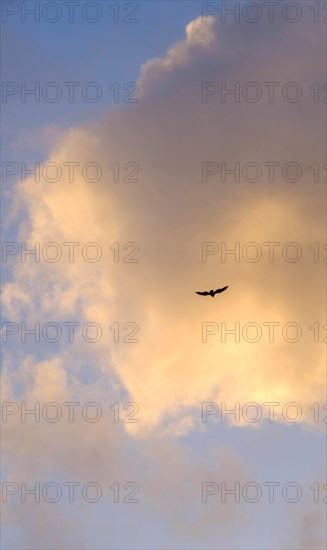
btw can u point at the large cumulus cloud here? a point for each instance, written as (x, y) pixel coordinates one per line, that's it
(170, 212)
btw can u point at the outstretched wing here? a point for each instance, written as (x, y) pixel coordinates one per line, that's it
(203, 293)
(219, 290)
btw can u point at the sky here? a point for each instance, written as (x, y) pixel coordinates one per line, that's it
(168, 148)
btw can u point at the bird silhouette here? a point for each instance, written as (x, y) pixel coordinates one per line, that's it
(212, 292)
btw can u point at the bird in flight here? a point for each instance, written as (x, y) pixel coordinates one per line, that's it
(212, 292)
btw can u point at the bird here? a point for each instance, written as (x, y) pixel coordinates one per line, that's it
(212, 292)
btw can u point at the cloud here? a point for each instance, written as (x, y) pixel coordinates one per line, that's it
(311, 529)
(170, 212)
(307, 523)
(168, 476)
(198, 35)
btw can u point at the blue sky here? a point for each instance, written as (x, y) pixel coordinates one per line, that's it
(170, 452)
(104, 52)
